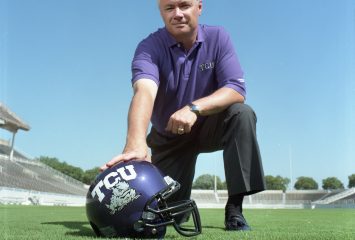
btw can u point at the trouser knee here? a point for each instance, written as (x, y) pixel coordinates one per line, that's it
(240, 122)
(241, 112)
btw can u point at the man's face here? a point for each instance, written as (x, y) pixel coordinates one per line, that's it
(180, 16)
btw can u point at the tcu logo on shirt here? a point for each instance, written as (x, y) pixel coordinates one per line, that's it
(126, 173)
(205, 66)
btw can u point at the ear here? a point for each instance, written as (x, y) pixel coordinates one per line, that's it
(200, 8)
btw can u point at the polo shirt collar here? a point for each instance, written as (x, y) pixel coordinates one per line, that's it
(200, 34)
(172, 42)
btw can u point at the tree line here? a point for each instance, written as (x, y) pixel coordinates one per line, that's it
(207, 181)
(307, 183)
(75, 172)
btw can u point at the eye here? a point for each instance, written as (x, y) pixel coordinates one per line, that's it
(169, 8)
(185, 6)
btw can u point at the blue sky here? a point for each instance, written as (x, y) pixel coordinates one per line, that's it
(65, 69)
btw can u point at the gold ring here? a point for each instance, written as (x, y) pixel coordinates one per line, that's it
(181, 130)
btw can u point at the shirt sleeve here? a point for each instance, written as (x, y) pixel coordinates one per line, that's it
(145, 62)
(228, 70)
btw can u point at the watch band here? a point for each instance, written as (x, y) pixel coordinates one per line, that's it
(195, 109)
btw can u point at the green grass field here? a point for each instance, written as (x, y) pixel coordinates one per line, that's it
(54, 223)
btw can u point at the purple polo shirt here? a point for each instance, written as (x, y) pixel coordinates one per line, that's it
(184, 77)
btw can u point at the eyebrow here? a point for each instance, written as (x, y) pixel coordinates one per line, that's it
(179, 3)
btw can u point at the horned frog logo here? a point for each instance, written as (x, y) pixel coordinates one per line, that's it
(122, 194)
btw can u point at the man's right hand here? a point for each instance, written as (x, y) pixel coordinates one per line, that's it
(127, 156)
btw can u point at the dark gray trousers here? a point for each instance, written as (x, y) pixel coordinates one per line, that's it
(233, 131)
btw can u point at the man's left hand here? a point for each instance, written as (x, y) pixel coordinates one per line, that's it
(181, 121)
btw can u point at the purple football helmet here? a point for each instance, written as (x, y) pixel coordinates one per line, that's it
(129, 200)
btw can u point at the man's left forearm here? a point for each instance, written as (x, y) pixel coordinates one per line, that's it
(218, 101)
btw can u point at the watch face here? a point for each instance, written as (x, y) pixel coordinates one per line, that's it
(195, 109)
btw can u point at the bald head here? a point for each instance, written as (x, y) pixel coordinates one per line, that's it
(196, 1)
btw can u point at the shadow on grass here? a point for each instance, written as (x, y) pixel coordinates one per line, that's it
(82, 229)
(213, 227)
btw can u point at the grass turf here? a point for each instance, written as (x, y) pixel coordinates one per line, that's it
(38, 222)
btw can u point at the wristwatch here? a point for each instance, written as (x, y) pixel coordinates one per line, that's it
(195, 109)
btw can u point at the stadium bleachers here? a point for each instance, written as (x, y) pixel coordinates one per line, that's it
(346, 201)
(204, 196)
(5, 151)
(268, 197)
(329, 194)
(304, 196)
(272, 198)
(23, 173)
(351, 197)
(35, 177)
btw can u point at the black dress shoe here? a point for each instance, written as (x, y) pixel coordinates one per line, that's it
(236, 223)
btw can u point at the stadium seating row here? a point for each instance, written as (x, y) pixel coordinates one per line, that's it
(271, 197)
(34, 176)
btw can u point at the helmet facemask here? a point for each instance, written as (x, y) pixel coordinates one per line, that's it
(158, 213)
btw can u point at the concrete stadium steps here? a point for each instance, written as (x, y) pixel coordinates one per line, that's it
(9, 180)
(204, 196)
(330, 193)
(47, 175)
(350, 197)
(340, 196)
(30, 197)
(304, 196)
(296, 198)
(267, 197)
(26, 174)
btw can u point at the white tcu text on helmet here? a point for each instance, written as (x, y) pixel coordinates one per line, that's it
(119, 174)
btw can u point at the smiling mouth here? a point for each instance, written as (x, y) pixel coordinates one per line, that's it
(179, 25)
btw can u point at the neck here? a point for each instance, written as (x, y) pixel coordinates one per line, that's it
(188, 40)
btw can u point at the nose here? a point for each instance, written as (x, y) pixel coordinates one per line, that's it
(178, 13)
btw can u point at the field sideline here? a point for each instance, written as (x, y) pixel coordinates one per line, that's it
(54, 223)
